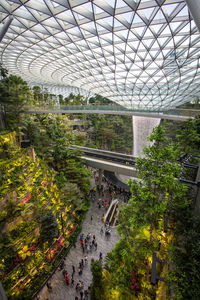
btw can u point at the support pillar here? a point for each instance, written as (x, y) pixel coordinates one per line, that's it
(194, 8)
(142, 128)
(5, 27)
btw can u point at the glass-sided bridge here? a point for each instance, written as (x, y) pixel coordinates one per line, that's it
(175, 114)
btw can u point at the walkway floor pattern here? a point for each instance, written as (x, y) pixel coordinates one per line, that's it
(60, 291)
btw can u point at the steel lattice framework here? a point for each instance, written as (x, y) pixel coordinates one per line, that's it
(138, 53)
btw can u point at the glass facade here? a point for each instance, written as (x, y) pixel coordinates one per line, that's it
(137, 53)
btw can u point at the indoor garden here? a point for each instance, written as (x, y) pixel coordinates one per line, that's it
(44, 188)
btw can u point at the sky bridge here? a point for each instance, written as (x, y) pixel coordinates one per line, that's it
(175, 114)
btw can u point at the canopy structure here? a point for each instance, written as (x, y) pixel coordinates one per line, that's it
(138, 53)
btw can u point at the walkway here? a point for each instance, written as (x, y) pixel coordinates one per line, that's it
(174, 114)
(60, 290)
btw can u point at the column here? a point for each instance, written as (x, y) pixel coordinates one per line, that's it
(142, 128)
(194, 8)
(5, 27)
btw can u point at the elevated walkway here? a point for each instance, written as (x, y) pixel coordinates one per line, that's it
(175, 114)
(110, 166)
(109, 161)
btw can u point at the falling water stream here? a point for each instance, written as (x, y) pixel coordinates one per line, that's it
(142, 127)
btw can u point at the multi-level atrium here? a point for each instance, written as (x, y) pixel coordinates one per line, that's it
(139, 53)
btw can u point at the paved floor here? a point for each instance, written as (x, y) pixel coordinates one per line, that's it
(60, 291)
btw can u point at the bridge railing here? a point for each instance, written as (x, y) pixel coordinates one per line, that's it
(114, 108)
(92, 107)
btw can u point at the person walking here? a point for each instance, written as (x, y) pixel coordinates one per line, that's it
(101, 231)
(91, 218)
(80, 271)
(82, 263)
(72, 281)
(95, 245)
(73, 269)
(81, 294)
(100, 256)
(49, 286)
(83, 248)
(67, 280)
(86, 294)
(77, 286)
(86, 260)
(64, 273)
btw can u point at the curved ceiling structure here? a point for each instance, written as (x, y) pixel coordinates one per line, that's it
(138, 53)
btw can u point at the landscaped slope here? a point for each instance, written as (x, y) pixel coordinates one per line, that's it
(36, 221)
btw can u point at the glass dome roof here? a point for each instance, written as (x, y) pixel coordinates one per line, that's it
(138, 53)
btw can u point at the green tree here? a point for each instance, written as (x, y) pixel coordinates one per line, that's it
(97, 286)
(141, 220)
(189, 136)
(14, 94)
(48, 227)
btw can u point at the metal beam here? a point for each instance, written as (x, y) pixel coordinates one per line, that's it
(194, 8)
(5, 27)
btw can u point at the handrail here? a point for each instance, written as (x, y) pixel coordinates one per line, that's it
(170, 110)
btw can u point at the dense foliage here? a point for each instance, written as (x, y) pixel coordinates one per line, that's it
(97, 286)
(110, 132)
(159, 194)
(43, 195)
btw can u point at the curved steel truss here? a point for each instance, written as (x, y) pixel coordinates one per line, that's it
(138, 53)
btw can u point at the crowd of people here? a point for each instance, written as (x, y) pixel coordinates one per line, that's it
(108, 189)
(102, 196)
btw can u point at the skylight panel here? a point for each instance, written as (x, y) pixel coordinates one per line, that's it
(137, 19)
(156, 28)
(183, 12)
(174, 26)
(145, 50)
(169, 8)
(147, 12)
(87, 6)
(159, 16)
(127, 16)
(108, 20)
